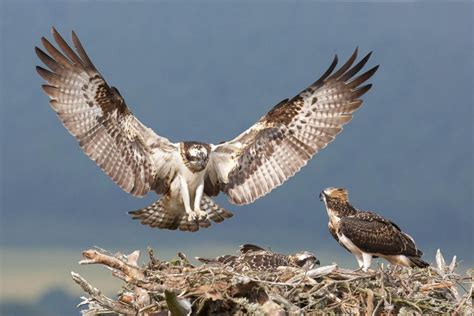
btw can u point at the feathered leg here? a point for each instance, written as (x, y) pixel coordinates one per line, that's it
(367, 261)
(202, 215)
(185, 196)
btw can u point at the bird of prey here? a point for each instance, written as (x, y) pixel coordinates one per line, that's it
(368, 235)
(255, 258)
(188, 174)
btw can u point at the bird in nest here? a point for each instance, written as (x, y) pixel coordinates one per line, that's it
(255, 258)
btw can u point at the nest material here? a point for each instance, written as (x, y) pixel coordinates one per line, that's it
(179, 288)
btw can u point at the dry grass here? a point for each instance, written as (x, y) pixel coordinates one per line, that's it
(181, 288)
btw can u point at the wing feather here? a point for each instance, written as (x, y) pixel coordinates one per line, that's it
(374, 234)
(282, 141)
(133, 156)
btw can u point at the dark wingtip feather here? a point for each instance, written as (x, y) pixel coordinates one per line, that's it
(351, 72)
(50, 90)
(44, 73)
(82, 52)
(361, 91)
(362, 78)
(355, 53)
(327, 72)
(64, 46)
(39, 52)
(136, 212)
(346, 65)
(56, 54)
(47, 60)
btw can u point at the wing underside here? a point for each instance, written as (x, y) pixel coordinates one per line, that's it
(282, 141)
(131, 154)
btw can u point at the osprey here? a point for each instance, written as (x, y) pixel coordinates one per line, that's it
(255, 258)
(188, 174)
(368, 235)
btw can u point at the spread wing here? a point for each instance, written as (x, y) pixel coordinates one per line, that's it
(282, 141)
(134, 157)
(374, 234)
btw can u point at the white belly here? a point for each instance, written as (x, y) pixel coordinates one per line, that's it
(193, 180)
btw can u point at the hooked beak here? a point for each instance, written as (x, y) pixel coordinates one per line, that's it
(321, 196)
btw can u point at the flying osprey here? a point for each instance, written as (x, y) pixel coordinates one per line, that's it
(189, 173)
(368, 235)
(255, 258)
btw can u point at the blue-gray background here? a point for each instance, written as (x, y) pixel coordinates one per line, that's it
(207, 71)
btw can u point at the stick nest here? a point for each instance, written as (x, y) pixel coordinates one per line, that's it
(178, 287)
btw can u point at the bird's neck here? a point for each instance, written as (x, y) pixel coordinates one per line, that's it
(340, 208)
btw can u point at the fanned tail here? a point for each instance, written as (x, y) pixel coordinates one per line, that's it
(160, 215)
(215, 212)
(157, 215)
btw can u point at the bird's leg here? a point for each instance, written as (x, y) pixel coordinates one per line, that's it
(360, 261)
(197, 202)
(367, 260)
(185, 196)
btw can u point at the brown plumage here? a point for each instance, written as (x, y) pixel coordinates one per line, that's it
(366, 234)
(255, 258)
(284, 139)
(188, 173)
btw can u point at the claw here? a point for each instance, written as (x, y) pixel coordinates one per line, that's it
(201, 215)
(192, 217)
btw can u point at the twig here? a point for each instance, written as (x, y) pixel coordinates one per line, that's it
(103, 300)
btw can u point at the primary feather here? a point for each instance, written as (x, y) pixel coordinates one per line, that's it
(283, 140)
(189, 173)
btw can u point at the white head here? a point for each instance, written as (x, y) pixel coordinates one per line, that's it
(195, 155)
(304, 259)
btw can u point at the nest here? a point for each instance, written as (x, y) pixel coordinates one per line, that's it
(179, 288)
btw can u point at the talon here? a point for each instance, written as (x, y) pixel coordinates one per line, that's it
(201, 215)
(192, 217)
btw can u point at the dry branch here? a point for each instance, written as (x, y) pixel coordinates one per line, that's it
(180, 288)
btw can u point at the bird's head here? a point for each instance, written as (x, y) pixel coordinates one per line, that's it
(195, 155)
(304, 259)
(337, 202)
(335, 194)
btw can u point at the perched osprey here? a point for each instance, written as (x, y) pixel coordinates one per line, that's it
(189, 173)
(368, 235)
(255, 258)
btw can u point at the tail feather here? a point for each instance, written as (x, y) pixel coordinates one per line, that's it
(189, 226)
(161, 216)
(418, 262)
(156, 215)
(215, 212)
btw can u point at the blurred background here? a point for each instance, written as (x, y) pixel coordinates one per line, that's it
(207, 71)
